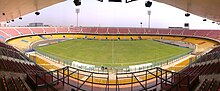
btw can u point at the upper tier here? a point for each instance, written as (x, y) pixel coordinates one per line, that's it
(11, 32)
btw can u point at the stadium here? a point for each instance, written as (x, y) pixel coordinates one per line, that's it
(82, 58)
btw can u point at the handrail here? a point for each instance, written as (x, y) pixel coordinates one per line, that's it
(59, 76)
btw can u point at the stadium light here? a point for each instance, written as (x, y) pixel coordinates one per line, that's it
(114, 0)
(77, 2)
(128, 1)
(20, 18)
(20, 14)
(187, 14)
(149, 13)
(100, 0)
(37, 13)
(186, 25)
(77, 21)
(148, 4)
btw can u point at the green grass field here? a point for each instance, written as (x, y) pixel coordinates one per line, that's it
(113, 53)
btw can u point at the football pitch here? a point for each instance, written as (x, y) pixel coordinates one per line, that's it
(113, 53)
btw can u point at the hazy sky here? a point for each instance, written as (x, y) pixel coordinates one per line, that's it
(114, 14)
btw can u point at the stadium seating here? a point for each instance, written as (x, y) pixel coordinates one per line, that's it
(45, 64)
(93, 30)
(75, 30)
(176, 31)
(91, 37)
(24, 42)
(66, 36)
(113, 30)
(47, 36)
(217, 49)
(11, 31)
(62, 29)
(210, 67)
(140, 30)
(146, 37)
(12, 70)
(202, 33)
(90, 30)
(123, 31)
(164, 31)
(49, 30)
(214, 34)
(151, 31)
(102, 31)
(133, 30)
(173, 38)
(201, 44)
(209, 85)
(37, 30)
(24, 31)
(204, 66)
(189, 32)
(4, 35)
(86, 30)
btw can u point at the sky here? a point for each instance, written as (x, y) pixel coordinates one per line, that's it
(115, 14)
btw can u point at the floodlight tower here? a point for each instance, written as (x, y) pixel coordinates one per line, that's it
(148, 4)
(149, 13)
(77, 20)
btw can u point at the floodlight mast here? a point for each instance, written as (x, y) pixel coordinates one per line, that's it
(77, 20)
(148, 4)
(149, 13)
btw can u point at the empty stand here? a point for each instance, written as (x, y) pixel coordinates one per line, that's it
(6, 88)
(189, 32)
(202, 33)
(86, 30)
(214, 34)
(37, 30)
(3, 45)
(62, 29)
(102, 30)
(176, 31)
(123, 31)
(50, 30)
(11, 31)
(75, 30)
(24, 31)
(164, 31)
(94, 30)
(91, 30)
(113, 30)
(133, 30)
(3, 36)
(151, 31)
(140, 30)
(214, 54)
(204, 68)
(21, 84)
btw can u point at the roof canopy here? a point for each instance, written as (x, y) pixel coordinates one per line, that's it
(204, 8)
(17, 8)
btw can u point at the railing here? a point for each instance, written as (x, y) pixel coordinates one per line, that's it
(155, 78)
